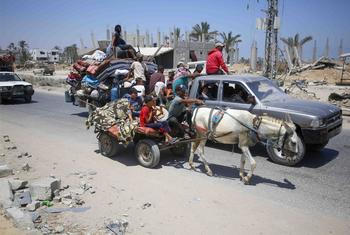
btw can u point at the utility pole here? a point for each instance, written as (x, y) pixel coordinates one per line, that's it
(271, 39)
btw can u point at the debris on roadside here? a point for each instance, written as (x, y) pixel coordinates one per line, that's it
(118, 226)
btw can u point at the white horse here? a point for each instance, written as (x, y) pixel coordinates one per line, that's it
(243, 128)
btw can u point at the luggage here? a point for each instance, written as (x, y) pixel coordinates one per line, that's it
(92, 70)
(83, 63)
(79, 67)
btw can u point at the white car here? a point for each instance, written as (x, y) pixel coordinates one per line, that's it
(12, 86)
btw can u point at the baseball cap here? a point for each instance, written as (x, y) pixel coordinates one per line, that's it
(219, 44)
(181, 87)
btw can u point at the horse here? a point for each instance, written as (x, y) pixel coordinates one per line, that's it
(243, 128)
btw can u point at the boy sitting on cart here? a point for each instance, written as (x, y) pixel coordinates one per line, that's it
(148, 119)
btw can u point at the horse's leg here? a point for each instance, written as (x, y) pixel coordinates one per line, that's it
(252, 162)
(194, 146)
(201, 155)
(241, 169)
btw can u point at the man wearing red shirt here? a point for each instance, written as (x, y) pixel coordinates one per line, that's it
(215, 62)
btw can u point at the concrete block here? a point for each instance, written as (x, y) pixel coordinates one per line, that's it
(21, 219)
(43, 188)
(23, 198)
(17, 184)
(5, 171)
(6, 195)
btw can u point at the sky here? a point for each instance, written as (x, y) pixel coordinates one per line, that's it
(47, 23)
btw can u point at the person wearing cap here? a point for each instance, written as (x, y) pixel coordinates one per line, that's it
(139, 68)
(177, 110)
(147, 119)
(215, 62)
(181, 76)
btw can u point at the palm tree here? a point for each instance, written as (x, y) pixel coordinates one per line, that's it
(229, 42)
(203, 29)
(292, 42)
(177, 33)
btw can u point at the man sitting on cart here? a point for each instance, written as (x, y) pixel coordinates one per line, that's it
(148, 119)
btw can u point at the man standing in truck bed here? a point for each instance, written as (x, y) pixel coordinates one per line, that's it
(215, 62)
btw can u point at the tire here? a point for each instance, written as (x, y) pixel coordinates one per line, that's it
(276, 155)
(147, 153)
(316, 147)
(107, 145)
(28, 99)
(181, 150)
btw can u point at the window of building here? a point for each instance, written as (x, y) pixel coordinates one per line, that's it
(42, 53)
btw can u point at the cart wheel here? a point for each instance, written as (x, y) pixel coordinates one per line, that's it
(181, 150)
(107, 145)
(147, 152)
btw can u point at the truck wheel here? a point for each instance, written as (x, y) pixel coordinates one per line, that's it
(278, 157)
(28, 98)
(316, 147)
(147, 153)
(107, 145)
(181, 150)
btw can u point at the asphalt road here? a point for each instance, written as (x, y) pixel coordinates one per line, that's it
(320, 183)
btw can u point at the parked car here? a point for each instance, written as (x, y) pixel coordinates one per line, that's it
(12, 86)
(316, 122)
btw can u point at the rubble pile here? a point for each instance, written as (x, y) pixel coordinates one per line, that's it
(341, 100)
(32, 204)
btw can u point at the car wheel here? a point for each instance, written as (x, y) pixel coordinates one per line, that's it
(28, 99)
(108, 146)
(147, 153)
(278, 157)
(316, 147)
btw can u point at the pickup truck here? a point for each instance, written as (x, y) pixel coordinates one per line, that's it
(316, 122)
(12, 86)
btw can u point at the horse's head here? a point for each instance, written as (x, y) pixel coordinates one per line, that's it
(282, 133)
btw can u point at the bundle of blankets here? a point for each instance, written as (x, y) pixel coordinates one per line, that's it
(96, 69)
(114, 119)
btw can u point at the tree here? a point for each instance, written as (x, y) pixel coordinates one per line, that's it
(23, 50)
(177, 33)
(203, 29)
(229, 42)
(292, 42)
(57, 48)
(11, 47)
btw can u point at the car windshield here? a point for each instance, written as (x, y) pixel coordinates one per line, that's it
(266, 91)
(9, 77)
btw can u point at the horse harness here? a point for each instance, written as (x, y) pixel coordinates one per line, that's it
(214, 120)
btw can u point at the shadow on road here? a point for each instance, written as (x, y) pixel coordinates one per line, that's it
(81, 114)
(226, 172)
(318, 159)
(17, 101)
(311, 159)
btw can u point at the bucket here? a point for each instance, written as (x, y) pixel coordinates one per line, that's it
(68, 97)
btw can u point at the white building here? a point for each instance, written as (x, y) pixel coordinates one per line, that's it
(43, 55)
